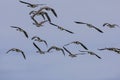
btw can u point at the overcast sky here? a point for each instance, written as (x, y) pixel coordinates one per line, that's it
(54, 65)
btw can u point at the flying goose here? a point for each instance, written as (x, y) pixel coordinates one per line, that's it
(39, 50)
(17, 50)
(61, 28)
(35, 38)
(57, 49)
(70, 54)
(90, 26)
(21, 30)
(110, 25)
(31, 5)
(91, 53)
(77, 43)
(111, 49)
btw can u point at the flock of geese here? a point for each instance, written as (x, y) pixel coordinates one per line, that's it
(43, 12)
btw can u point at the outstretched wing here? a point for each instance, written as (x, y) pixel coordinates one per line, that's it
(45, 42)
(47, 17)
(23, 54)
(9, 50)
(37, 47)
(24, 2)
(69, 31)
(97, 29)
(67, 50)
(25, 33)
(15, 27)
(79, 22)
(105, 24)
(97, 56)
(53, 11)
(84, 46)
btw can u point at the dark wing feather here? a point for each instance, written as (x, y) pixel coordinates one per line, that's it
(37, 47)
(23, 54)
(79, 22)
(53, 24)
(67, 50)
(25, 33)
(14, 27)
(9, 50)
(97, 56)
(69, 31)
(105, 24)
(50, 49)
(47, 17)
(84, 46)
(98, 29)
(45, 42)
(24, 2)
(53, 11)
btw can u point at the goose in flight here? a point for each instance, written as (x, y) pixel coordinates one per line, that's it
(35, 38)
(110, 25)
(61, 28)
(39, 50)
(56, 48)
(70, 54)
(91, 53)
(17, 50)
(31, 5)
(21, 30)
(77, 43)
(90, 26)
(111, 49)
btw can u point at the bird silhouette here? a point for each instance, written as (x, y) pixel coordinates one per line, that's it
(36, 38)
(61, 28)
(90, 26)
(111, 25)
(77, 43)
(117, 50)
(21, 30)
(56, 48)
(17, 50)
(39, 50)
(70, 54)
(91, 53)
(30, 4)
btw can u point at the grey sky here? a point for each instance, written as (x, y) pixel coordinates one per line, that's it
(54, 66)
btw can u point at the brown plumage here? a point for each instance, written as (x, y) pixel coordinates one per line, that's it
(61, 28)
(21, 30)
(70, 54)
(90, 26)
(36, 38)
(77, 43)
(56, 48)
(91, 53)
(17, 50)
(30, 4)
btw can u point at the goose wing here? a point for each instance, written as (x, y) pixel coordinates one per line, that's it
(98, 29)
(84, 46)
(37, 47)
(79, 22)
(25, 2)
(23, 54)
(25, 33)
(53, 11)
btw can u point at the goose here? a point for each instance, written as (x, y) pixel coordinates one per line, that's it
(56, 48)
(31, 5)
(39, 50)
(35, 38)
(110, 25)
(17, 50)
(21, 30)
(42, 13)
(111, 49)
(90, 26)
(61, 28)
(70, 54)
(91, 53)
(77, 43)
